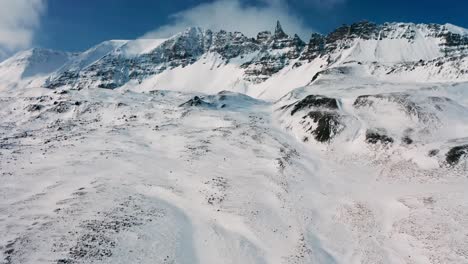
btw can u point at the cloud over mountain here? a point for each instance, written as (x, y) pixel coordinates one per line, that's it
(234, 15)
(18, 21)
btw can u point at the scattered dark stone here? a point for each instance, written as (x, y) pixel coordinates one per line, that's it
(158, 92)
(433, 152)
(454, 155)
(10, 244)
(44, 98)
(407, 140)
(20, 135)
(8, 254)
(65, 261)
(374, 137)
(195, 101)
(110, 86)
(79, 193)
(34, 107)
(77, 103)
(316, 76)
(315, 101)
(61, 107)
(328, 125)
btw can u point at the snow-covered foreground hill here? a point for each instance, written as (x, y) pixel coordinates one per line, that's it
(117, 176)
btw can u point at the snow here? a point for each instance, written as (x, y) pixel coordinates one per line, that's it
(286, 80)
(30, 65)
(456, 29)
(141, 46)
(211, 67)
(395, 50)
(92, 55)
(220, 185)
(135, 175)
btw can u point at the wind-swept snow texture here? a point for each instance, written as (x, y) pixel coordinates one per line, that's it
(211, 147)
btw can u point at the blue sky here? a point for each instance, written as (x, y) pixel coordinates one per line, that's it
(76, 25)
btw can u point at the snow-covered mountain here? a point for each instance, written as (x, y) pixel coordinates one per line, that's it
(214, 147)
(267, 66)
(29, 66)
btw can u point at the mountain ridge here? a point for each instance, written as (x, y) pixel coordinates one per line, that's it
(438, 51)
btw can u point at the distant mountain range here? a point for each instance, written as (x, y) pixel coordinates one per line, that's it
(267, 66)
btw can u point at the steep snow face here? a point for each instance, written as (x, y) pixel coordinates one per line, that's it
(31, 64)
(390, 43)
(456, 29)
(92, 55)
(140, 46)
(394, 50)
(210, 67)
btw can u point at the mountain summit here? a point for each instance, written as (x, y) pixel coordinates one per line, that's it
(279, 33)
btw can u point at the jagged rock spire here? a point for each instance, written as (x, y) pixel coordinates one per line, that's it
(279, 33)
(298, 41)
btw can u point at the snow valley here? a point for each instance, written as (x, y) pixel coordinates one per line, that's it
(214, 147)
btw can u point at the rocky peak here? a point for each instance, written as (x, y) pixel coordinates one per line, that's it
(298, 41)
(279, 33)
(263, 37)
(230, 45)
(281, 40)
(277, 52)
(316, 39)
(363, 30)
(314, 48)
(271, 52)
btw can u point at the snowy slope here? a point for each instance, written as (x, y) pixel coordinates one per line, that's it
(456, 30)
(101, 176)
(211, 147)
(31, 65)
(90, 56)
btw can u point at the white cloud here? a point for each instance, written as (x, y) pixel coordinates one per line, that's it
(233, 15)
(18, 21)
